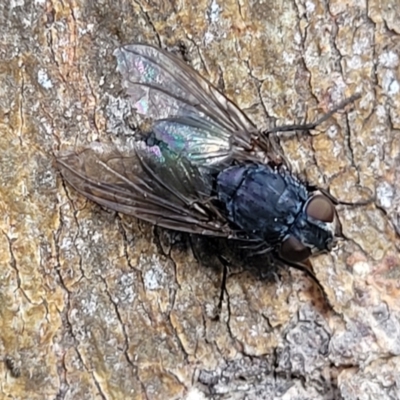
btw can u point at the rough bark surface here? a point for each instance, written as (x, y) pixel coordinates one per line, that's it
(94, 305)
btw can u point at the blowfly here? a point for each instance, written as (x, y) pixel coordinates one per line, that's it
(204, 168)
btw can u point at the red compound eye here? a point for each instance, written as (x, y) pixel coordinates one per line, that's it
(293, 250)
(321, 209)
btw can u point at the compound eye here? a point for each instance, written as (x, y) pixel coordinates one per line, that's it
(293, 250)
(321, 208)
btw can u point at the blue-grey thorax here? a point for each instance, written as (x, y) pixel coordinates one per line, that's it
(269, 204)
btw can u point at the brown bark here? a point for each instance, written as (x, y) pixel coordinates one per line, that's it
(96, 305)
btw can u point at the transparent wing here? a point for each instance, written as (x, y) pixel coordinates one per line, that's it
(146, 182)
(163, 87)
(167, 179)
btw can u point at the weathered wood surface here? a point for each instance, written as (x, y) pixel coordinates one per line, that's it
(94, 305)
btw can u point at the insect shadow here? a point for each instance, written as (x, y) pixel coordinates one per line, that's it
(227, 258)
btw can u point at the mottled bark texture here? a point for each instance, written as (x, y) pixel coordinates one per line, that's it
(94, 305)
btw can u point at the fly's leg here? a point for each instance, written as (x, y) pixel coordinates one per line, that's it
(216, 261)
(336, 201)
(313, 125)
(225, 264)
(309, 273)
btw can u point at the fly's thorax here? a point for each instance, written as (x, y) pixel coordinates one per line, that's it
(262, 200)
(314, 231)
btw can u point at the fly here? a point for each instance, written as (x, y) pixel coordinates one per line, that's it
(205, 168)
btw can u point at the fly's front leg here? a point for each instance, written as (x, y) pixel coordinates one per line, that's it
(313, 125)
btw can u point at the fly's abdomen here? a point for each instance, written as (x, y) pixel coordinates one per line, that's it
(261, 200)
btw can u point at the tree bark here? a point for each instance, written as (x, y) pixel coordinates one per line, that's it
(96, 305)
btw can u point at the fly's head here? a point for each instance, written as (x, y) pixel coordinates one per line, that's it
(315, 230)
